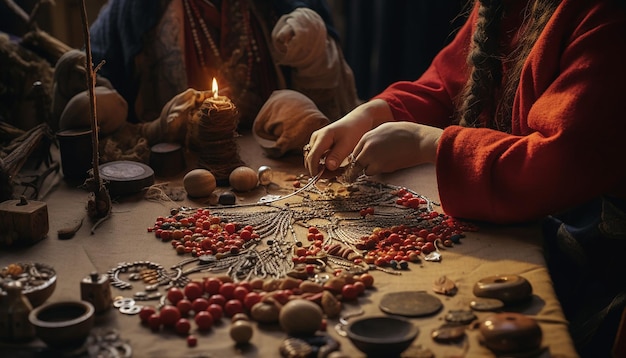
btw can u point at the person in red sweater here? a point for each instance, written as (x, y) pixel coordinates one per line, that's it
(523, 116)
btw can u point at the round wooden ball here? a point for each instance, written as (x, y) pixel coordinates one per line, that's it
(300, 317)
(510, 332)
(241, 331)
(243, 179)
(199, 183)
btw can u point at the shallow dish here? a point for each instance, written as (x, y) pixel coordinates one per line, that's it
(64, 324)
(382, 336)
(38, 280)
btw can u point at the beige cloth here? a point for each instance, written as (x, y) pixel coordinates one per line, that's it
(320, 72)
(124, 238)
(69, 80)
(286, 121)
(171, 126)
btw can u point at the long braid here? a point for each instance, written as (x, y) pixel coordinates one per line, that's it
(485, 60)
(539, 16)
(486, 67)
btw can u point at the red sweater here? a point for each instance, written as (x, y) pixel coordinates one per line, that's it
(568, 140)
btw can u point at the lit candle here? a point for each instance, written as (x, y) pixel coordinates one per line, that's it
(213, 135)
(216, 98)
(214, 88)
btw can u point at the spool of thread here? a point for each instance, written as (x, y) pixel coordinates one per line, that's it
(167, 159)
(212, 136)
(96, 290)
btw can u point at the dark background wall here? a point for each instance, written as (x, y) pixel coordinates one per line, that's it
(61, 19)
(383, 40)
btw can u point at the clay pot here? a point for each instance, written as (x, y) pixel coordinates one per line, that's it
(382, 336)
(64, 324)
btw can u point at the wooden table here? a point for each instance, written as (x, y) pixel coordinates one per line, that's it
(123, 238)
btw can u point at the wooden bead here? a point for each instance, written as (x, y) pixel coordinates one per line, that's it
(506, 288)
(199, 183)
(241, 331)
(510, 332)
(243, 179)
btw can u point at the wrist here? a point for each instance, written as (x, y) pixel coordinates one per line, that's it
(377, 111)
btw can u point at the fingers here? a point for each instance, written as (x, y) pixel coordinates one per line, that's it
(323, 149)
(315, 152)
(360, 157)
(312, 158)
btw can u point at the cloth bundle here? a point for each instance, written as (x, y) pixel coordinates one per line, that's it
(318, 69)
(286, 121)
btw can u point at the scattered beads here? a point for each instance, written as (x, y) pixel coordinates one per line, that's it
(237, 301)
(394, 227)
(203, 234)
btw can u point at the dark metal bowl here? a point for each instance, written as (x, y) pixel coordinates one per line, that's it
(64, 324)
(382, 336)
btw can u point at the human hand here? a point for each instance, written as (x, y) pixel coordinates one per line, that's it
(396, 145)
(335, 141)
(171, 126)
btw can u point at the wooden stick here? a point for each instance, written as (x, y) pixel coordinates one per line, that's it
(91, 85)
(17, 10)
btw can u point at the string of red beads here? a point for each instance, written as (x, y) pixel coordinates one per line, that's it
(395, 247)
(202, 234)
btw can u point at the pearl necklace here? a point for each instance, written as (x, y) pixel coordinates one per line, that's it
(205, 30)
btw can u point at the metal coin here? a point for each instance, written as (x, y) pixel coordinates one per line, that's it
(410, 303)
(460, 316)
(134, 309)
(123, 302)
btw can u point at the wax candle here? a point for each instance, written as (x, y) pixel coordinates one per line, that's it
(214, 128)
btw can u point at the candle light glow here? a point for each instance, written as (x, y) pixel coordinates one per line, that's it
(214, 88)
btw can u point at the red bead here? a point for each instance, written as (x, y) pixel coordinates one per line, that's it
(192, 341)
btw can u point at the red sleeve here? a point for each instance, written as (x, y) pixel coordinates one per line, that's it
(430, 99)
(567, 144)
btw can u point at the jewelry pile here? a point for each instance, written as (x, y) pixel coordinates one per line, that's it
(366, 225)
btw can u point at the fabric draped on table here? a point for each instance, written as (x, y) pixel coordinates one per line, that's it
(585, 253)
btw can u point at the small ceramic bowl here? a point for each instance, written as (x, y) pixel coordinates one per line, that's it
(382, 336)
(38, 280)
(64, 324)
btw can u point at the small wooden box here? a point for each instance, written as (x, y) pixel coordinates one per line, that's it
(23, 222)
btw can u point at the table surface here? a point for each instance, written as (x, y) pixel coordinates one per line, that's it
(511, 250)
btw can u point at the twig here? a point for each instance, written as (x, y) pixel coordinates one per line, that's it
(29, 19)
(98, 207)
(100, 221)
(17, 10)
(92, 98)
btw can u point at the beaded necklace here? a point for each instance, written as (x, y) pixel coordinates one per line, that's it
(239, 12)
(357, 237)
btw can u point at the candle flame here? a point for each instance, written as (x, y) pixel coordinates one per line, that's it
(214, 88)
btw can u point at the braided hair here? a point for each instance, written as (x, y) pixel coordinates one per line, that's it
(479, 104)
